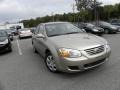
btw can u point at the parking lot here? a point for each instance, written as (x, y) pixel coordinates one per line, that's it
(24, 70)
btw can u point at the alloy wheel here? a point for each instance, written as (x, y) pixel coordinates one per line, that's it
(51, 63)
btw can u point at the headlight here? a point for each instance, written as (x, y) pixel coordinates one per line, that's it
(69, 53)
(95, 30)
(113, 27)
(6, 41)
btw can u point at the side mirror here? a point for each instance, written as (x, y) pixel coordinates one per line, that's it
(40, 36)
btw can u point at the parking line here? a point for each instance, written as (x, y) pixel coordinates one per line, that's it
(19, 49)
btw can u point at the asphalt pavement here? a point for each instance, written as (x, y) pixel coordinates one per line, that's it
(24, 70)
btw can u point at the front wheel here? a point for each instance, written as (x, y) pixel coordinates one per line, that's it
(106, 31)
(34, 50)
(50, 63)
(10, 49)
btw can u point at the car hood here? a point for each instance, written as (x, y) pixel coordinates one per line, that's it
(98, 28)
(2, 39)
(117, 26)
(111, 27)
(78, 41)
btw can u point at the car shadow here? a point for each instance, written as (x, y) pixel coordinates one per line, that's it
(1, 86)
(4, 53)
(25, 38)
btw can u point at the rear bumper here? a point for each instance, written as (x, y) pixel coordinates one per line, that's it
(25, 35)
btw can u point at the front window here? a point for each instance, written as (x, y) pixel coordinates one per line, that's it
(61, 29)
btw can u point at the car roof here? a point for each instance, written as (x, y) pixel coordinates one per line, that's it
(54, 23)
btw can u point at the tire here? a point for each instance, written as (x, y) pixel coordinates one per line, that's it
(10, 49)
(50, 63)
(34, 49)
(20, 37)
(107, 31)
(11, 39)
(100, 35)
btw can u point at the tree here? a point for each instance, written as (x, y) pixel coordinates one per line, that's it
(88, 5)
(84, 4)
(106, 13)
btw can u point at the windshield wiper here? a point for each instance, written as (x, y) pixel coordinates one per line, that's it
(72, 33)
(62, 34)
(55, 35)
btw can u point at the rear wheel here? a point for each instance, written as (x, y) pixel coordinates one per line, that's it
(50, 63)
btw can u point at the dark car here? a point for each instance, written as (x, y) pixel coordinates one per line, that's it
(5, 42)
(9, 32)
(14, 31)
(108, 28)
(90, 28)
(115, 22)
(80, 26)
(118, 27)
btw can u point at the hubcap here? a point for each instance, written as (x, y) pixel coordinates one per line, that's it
(51, 63)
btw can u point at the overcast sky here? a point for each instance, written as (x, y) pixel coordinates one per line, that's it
(15, 10)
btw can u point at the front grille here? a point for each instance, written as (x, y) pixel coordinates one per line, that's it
(73, 67)
(96, 50)
(94, 63)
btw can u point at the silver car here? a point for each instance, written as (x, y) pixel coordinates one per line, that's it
(67, 48)
(26, 32)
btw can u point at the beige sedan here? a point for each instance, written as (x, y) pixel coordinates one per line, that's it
(67, 48)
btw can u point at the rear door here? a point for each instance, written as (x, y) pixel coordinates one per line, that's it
(41, 41)
(34, 38)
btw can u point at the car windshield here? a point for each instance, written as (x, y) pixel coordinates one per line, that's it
(3, 34)
(61, 29)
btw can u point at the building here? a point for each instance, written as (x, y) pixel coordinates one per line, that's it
(11, 26)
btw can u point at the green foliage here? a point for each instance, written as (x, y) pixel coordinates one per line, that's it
(104, 13)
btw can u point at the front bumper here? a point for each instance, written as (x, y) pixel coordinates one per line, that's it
(5, 48)
(98, 32)
(83, 63)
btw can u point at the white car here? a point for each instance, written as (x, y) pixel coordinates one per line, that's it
(24, 33)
